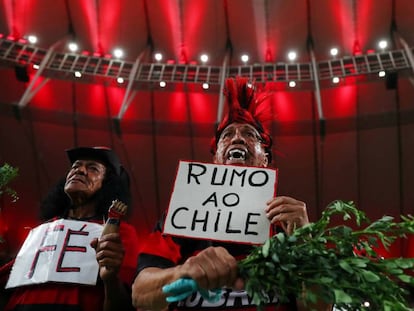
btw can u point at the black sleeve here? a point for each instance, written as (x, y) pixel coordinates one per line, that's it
(147, 260)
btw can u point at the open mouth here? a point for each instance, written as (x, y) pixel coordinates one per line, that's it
(236, 154)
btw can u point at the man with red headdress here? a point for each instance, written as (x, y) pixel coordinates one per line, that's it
(241, 139)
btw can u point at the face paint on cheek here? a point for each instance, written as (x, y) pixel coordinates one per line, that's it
(258, 149)
(219, 155)
(260, 158)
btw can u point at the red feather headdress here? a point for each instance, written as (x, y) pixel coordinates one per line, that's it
(244, 106)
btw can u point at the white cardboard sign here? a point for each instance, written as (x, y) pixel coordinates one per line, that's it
(221, 202)
(58, 251)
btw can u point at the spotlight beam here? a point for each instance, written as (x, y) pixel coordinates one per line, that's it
(316, 82)
(407, 50)
(128, 97)
(30, 90)
(222, 80)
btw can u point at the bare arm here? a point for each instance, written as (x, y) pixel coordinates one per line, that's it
(110, 254)
(147, 288)
(212, 268)
(117, 297)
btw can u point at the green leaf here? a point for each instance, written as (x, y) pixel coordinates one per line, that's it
(370, 276)
(281, 237)
(292, 239)
(342, 297)
(265, 248)
(359, 262)
(406, 278)
(275, 258)
(405, 263)
(344, 265)
(325, 280)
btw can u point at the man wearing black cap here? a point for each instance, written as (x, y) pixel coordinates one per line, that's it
(241, 139)
(75, 205)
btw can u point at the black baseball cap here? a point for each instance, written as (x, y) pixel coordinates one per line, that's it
(101, 154)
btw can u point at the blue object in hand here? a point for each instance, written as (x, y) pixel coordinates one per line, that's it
(184, 287)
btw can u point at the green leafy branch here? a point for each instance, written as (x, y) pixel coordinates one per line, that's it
(336, 264)
(7, 174)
